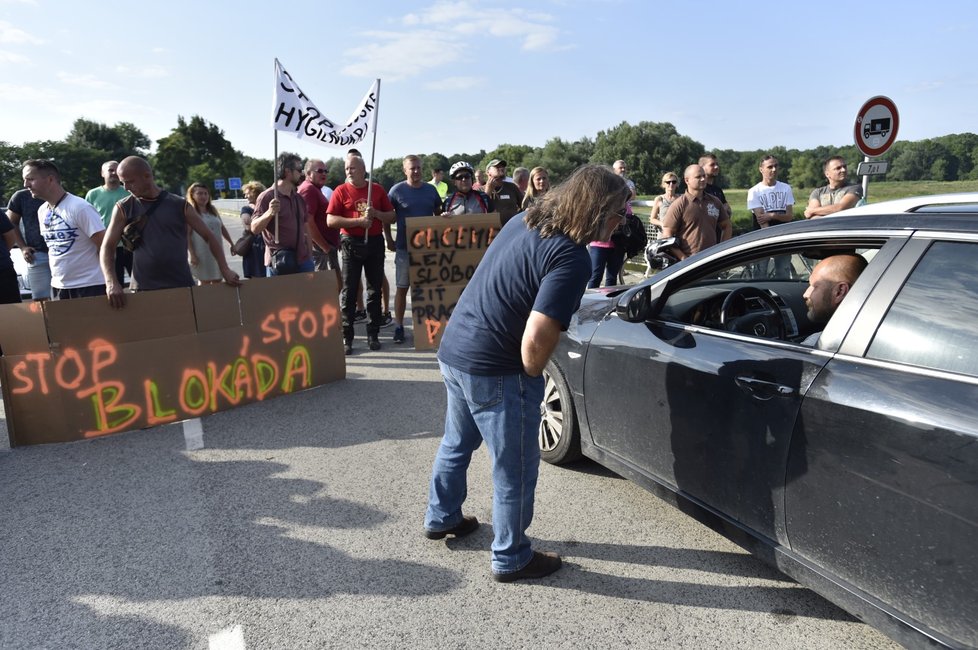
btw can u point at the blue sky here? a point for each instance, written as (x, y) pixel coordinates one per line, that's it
(463, 76)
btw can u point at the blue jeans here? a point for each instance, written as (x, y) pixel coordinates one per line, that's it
(304, 267)
(505, 412)
(607, 261)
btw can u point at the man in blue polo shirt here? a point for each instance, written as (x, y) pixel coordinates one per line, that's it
(499, 338)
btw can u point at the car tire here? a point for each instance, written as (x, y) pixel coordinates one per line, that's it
(559, 435)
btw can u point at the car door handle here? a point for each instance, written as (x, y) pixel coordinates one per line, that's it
(764, 389)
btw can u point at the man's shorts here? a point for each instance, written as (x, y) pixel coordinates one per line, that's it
(326, 261)
(402, 266)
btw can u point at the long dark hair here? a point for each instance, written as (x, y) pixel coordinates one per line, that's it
(579, 206)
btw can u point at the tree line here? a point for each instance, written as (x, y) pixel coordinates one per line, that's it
(197, 151)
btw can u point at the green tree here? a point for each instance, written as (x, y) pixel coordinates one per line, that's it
(257, 169)
(648, 148)
(806, 171)
(194, 143)
(515, 156)
(560, 157)
(117, 142)
(80, 167)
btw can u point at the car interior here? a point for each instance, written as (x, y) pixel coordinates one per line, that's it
(760, 296)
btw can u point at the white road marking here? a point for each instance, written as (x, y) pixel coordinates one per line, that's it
(231, 638)
(193, 434)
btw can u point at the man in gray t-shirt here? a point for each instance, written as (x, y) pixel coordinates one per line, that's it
(837, 195)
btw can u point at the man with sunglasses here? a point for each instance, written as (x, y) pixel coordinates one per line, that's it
(326, 239)
(695, 217)
(465, 200)
(73, 231)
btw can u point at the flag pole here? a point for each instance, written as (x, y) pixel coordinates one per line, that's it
(373, 149)
(275, 159)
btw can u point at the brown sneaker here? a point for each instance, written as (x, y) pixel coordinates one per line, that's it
(463, 528)
(540, 565)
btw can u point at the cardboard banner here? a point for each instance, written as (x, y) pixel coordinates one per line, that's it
(294, 112)
(444, 254)
(77, 369)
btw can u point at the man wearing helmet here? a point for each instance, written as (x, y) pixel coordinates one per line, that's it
(465, 200)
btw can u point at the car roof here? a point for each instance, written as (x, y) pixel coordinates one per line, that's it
(958, 202)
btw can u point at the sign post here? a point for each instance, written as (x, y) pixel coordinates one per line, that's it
(234, 184)
(219, 185)
(877, 123)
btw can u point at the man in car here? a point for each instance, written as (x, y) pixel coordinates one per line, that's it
(828, 285)
(837, 195)
(695, 218)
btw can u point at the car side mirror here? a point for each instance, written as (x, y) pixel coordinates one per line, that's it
(639, 304)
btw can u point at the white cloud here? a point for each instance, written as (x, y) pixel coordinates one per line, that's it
(532, 27)
(11, 34)
(455, 83)
(85, 81)
(17, 94)
(447, 34)
(399, 55)
(12, 57)
(144, 72)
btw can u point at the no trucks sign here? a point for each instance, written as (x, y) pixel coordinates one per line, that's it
(876, 126)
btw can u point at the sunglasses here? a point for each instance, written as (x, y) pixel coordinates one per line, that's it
(321, 171)
(672, 182)
(463, 177)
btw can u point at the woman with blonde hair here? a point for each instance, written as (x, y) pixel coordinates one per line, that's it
(538, 186)
(670, 183)
(203, 265)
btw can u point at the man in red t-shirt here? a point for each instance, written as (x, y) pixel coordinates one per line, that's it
(350, 212)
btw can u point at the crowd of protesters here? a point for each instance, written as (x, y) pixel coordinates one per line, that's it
(131, 228)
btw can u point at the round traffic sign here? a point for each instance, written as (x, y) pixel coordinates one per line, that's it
(876, 126)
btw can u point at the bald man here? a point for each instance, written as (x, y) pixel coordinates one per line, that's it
(161, 218)
(828, 285)
(695, 218)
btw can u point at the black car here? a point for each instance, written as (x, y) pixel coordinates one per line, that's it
(850, 465)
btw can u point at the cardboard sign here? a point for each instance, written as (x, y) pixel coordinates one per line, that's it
(77, 369)
(444, 254)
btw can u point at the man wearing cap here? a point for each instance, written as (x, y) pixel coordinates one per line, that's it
(506, 197)
(465, 200)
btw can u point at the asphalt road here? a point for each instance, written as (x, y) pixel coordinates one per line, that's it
(297, 524)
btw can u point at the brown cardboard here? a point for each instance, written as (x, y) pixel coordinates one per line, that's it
(208, 349)
(444, 254)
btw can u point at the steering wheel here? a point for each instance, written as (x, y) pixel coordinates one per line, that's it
(766, 323)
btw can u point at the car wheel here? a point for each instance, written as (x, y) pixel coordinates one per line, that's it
(560, 439)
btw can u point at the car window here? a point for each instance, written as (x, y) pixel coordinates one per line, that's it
(933, 322)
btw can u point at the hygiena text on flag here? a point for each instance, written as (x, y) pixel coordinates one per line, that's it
(295, 113)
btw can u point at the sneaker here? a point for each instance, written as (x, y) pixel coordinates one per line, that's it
(463, 528)
(398, 334)
(386, 320)
(360, 316)
(348, 347)
(373, 342)
(540, 565)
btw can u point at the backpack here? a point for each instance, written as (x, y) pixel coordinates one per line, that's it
(631, 236)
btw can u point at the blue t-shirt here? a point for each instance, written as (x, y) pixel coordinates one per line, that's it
(521, 272)
(412, 202)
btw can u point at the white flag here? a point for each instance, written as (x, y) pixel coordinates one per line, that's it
(295, 113)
